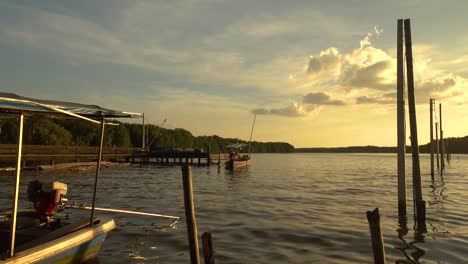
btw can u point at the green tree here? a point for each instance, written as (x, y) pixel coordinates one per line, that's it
(47, 132)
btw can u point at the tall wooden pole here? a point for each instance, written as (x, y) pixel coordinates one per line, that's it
(437, 143)
(431, 125)
(442, 163)
(412, 114)
(401, 122)
(192, 230)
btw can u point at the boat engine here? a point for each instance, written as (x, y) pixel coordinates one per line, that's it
(47, 198)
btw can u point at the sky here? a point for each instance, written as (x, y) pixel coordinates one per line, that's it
(316, 73)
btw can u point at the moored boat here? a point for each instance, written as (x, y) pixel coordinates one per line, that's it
(69, 243)
(46, 235)
(235, 159)
(236, 163)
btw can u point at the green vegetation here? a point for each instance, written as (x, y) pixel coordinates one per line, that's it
(455, 146)
(354, 149)
(42, 131)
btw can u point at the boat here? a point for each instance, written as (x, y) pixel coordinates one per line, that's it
(235, 159)
(47, 234)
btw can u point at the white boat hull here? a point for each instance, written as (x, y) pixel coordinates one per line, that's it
(76, 247)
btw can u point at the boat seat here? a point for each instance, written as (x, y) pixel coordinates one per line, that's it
(59, 232)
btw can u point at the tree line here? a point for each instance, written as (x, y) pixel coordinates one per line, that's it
(46, 131)
(455, 145)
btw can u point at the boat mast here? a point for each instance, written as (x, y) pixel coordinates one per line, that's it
(18, 172)
(251, 132)
(98, 170)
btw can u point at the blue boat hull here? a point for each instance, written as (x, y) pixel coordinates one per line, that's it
(79, 254)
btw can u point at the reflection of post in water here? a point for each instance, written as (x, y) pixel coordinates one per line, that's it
(411, 252)
(418, 253)
(403, 231)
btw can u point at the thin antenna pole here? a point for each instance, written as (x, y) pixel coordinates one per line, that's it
(251, 133)
(18, 172)
(156, 134)
(98, 170)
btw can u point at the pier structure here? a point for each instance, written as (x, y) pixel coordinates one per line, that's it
(34, 155)
(179, 157)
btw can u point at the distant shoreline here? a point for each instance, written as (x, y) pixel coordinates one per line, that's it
(354, 149)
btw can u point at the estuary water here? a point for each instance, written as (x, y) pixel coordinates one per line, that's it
(282, 208)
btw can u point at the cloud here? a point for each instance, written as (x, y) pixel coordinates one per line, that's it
(375, 100)
(448, 87)
(292, 110)
(320, 98)
(328, 61)
(364, 68)
(372, 76)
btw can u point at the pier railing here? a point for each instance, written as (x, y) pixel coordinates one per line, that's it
(63, 153)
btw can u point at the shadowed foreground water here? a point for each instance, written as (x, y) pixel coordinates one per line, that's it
(284, 208)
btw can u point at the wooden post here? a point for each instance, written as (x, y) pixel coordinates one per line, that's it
(447, 150)
(143, 133)
(190, 214)
(437, 143)
(401, 122)
(421, 220)
(208, 161)
(208, 252)
(219, 158)
(442, 163)
(373, 218)
(431, 125)
(412, 115)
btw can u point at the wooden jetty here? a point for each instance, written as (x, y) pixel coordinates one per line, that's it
(48, 154)
(179, 157)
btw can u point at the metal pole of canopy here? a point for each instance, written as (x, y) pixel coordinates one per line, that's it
(98, 170)
(15, 198)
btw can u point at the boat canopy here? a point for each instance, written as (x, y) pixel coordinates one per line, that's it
(13, 103)
(237, 145)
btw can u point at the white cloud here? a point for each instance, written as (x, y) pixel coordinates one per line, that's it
(292, 110)
(320, 99)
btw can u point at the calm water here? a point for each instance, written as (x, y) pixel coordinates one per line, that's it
(283, 208)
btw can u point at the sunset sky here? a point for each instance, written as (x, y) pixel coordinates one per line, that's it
(317, 73)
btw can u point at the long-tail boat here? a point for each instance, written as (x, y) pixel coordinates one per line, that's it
(44, 235)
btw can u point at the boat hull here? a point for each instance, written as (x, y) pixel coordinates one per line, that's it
(76, 247)
(233, 164)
